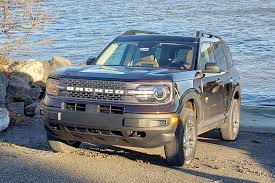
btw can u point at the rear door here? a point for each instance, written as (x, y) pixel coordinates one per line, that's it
(212, 85)
(221, 60)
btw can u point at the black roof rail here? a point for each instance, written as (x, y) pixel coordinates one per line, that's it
(204, 34)
(135, 32)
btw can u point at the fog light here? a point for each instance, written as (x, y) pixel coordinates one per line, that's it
(174, 121)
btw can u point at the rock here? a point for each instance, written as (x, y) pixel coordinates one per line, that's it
(36, 70)
(3, 88)
(30, 109)
(40, 70)
(58, 62)
(16, 108)
(23, 98)
(35, 93)
(39, 84)
(4, 119)
(18, 85)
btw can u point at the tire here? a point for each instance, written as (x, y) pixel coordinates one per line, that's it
(232, 122)
(181, 151)
(58, 145)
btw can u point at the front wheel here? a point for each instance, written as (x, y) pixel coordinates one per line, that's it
(181, 151)
(59, 145)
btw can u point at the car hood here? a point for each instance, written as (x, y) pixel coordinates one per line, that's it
(122, 73)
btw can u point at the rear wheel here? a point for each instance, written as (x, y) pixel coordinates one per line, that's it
(59, 145)
(232, 122)
(181, 151)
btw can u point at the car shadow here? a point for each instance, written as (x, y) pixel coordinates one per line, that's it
(34, 136)
(156, 160)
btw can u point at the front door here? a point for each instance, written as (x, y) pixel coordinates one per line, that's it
(212, 87)
(212, 95)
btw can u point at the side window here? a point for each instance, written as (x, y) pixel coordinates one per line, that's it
(207, 55)
(158, 53)
(227, 55)
(132, 55)
(219, 56)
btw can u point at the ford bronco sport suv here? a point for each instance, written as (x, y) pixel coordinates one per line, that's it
(146, 90)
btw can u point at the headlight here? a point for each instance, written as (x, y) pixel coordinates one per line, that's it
(52, 87)
(152, 93)
(161, 93)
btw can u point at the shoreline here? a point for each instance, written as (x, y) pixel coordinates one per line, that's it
(261, 120)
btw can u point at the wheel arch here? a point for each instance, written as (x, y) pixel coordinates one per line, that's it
(193, 96)
(236, 94)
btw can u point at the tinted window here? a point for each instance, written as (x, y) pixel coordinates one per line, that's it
(207, 55)
(148, 54)
(219, 56)
(227, 55)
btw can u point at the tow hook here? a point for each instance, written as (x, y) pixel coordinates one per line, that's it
(41, 112)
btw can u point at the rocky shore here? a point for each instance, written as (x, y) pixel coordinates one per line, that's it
(22, 86)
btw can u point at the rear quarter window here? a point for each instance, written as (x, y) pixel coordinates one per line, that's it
(227, 55)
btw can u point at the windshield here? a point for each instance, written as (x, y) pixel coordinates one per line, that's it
(147, 54)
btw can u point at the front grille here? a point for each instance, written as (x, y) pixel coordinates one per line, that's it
(94, 96)
(114, 85)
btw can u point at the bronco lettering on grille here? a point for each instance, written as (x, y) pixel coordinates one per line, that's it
(95, 90)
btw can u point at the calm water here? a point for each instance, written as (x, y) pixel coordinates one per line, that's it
(82, 28)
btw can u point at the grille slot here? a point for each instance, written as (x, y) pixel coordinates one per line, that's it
(110, 109)
(92, 131)
(95, 83)
(75, 107)
(94, 96)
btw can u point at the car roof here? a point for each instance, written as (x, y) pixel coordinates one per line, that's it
(156, 37)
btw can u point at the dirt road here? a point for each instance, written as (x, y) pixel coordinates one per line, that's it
(26, 157)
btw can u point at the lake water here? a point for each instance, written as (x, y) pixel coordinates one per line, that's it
(82, 28)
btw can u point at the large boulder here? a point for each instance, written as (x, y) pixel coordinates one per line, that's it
(40, 70)
(18, 84)
(36, 70)
(3, 88)
(4, 119)
(58, 62)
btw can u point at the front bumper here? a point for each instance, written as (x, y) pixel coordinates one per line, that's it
(94, 126)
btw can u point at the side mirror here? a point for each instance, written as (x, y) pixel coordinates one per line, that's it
(212, 68)
(90, 61)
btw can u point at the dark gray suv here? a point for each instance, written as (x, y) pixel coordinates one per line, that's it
(146, 90)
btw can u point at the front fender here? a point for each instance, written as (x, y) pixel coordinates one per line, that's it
(194, 95)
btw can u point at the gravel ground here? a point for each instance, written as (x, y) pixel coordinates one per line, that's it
(26, 157)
